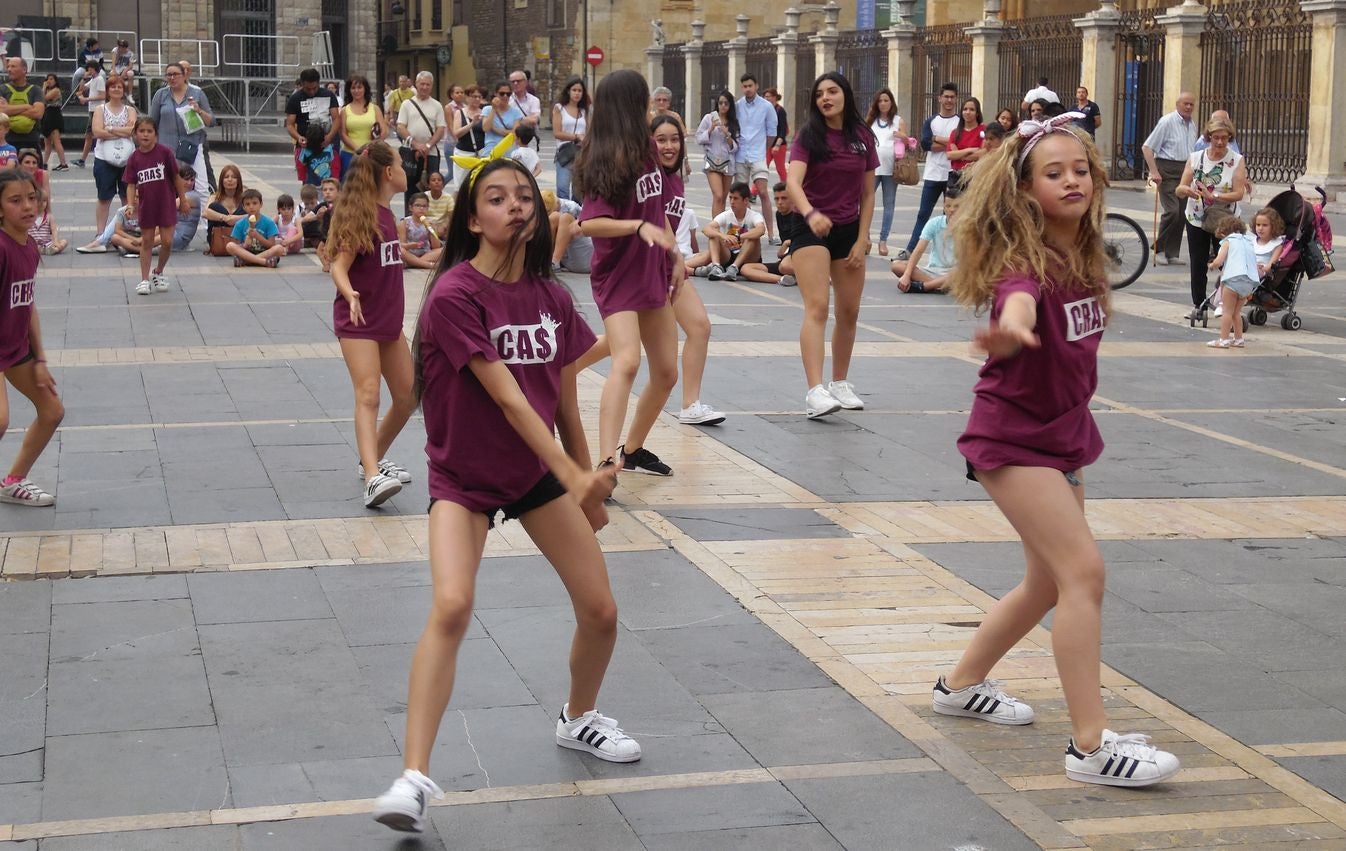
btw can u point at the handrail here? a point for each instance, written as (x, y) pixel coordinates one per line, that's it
(279, 47)
(32, 43)
(79, 35)
(153, 54)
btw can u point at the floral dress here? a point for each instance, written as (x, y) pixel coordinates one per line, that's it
(1217, 174)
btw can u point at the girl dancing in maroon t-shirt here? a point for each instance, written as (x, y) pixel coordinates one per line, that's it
(1031, 252)
(496, 350)
(367, 313)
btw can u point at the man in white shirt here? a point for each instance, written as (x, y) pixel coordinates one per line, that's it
(92, 92)
(421, 126)
(526, 101)
(1166, 151)
(1041, 91)
(935, 140)
(735, 235)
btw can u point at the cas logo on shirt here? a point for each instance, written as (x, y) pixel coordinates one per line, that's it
(390, 253)
(149, 175)
(21, 293)
(650, 185)
(527, 344)
(675, 207)
(1083, 318)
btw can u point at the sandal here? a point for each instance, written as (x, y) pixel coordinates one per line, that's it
(883, 249)
(1220, 343)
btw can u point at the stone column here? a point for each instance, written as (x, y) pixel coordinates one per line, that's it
(1182, 50)
(825, 42)
(654, 66)
(986, 37)
(1098, 68)
(902, 72)
(692, 51)
(787, 45)
(1327, 98)
(737, 48)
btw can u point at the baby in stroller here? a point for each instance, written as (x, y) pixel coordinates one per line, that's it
(1269, 242)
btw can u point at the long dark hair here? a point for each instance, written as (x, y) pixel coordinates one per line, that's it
(873, 114)
(461, 245)
(616, 150)
(350, 83)
(564, 97)
(732, 123)
(813, 136)
(660, 121)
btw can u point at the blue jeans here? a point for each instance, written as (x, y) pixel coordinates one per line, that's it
(562, 182)
(931, 190)
(888, 186)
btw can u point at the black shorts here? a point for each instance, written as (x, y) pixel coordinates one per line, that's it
(53, 121)
(1071, 475)
(839, 240)
(28, 358)
(547, 489)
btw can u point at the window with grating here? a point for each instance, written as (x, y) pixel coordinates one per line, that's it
(436, 15)
(556, 13)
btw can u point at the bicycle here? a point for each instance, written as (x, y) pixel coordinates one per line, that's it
(1127, 249)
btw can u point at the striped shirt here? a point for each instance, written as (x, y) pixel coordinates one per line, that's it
(1172, 138)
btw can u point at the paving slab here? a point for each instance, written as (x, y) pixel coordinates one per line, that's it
(589, 823)
(752, 524)
(716, 808)
(359, 831)
(216, 838)
(264, 595)
(803, 837)
(25, 607)
(20, 803)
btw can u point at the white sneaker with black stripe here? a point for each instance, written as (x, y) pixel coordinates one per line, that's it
(387, 468)
(380, 489)
(985, 701)
(1128, 760)
(405, 804)
(597, 735)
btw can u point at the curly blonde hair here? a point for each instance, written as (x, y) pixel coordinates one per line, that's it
(355, 216)
(998, 230)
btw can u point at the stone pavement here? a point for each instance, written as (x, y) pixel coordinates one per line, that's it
(207, 640)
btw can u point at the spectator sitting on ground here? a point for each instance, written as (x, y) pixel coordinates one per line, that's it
(441, 204)
(188, 223)
(310, 215)
(44, 233)
(126, 232)
(571, 249)
(788, 224)
(735, 235)
(291, 230)
(935, 248)
(253, 241)
(420, 244)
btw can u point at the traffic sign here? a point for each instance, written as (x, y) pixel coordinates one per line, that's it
(594, 56)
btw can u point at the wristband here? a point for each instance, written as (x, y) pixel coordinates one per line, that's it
(808, 217)
(39, 360)
(638, 227)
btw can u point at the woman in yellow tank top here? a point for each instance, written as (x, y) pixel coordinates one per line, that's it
(361, 120)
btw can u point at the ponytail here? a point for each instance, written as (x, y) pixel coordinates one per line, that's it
(355, 219)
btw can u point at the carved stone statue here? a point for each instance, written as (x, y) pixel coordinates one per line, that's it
(657, 27)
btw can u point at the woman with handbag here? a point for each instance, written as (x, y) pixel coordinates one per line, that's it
(467, 130)
(113, 126)
(1214, 180)
(718, 136)
(181, 113)
(224, 211)
(887, 126)
(569, 119)
(361, 120)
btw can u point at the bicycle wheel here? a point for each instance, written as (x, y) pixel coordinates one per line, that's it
(1127, 249)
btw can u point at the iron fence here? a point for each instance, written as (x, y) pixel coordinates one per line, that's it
(1034, 48)
(1256, 62)
(806, 60)
(761, 61)
(714, 77)
(941, 54)
(675, 78)
(1140, 92)
(862, 57)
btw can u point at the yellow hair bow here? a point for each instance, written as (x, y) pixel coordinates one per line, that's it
(474, 165)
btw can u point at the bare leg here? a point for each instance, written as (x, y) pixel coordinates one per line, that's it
(623, 337)
(814, 265)
(849, 286)
(690, 312)
(363, 364)
(399, 373)
(764, 194)
(659, 336)
(49, 409)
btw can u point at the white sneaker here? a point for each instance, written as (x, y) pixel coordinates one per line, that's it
(380, 489)
(844, 392)
(985, 701)
(819, 403)
(387, 468)
(699, 413)
(1128, 760)
(597, 735)
(788, 281)
(405, 804)
(24, 492)
(143, 288)
(159, 282)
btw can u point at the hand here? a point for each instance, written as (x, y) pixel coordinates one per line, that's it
(1261, 269)
(679, 277)
(661, 236)
(732, 241)
(1000, 342)
(820, 224)
(42, 377)
(592, 488)
(184, 206)
(856, 258)
(1152, 183)
(596, 513)
(357, 315)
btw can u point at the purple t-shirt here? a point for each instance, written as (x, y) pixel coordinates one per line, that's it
(377, 277)
(155, 175)
(833, 185)
(18, 269)
(675, 199)
(627, 273)
(1032, 410)
(476, 457)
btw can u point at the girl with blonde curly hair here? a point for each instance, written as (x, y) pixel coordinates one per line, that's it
(1031, 253)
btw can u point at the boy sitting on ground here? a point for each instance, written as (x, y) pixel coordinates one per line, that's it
(255, 241)
(571, 250)
(928, 268)
(788, 225)
(735, 236)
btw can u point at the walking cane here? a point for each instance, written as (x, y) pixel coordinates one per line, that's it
(1154, 232)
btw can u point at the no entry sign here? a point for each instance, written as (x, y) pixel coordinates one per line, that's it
(594, 56)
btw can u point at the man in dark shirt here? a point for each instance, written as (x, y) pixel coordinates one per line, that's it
(310, 103)
(1093, 116)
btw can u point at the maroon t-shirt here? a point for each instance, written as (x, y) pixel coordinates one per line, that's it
(675, 199)
(377, 277)
(1032, 410)
(18, 269)
(629, 274)
(476, 457)
(833, 185)
(155, 175)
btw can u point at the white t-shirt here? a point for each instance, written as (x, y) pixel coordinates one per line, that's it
(96, 92)
(883, 137)
(529, 158)
(937, 162)
(528, 104)
(687, 225)
(1041, 92)
(417, 126)
(731, 226)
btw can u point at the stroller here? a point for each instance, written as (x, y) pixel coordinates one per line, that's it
(1307, 255)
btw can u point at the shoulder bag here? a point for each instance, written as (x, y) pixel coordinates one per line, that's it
(906, 171)
(115, 151)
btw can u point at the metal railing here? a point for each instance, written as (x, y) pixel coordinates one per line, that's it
(1034, 48)
(158, 53)
(941, 54)
(262, 55)
(1140, 91)
(761, 61)
(675, 78)
(1257, 62)
(75, 38)
(714, 77)
(862, 57)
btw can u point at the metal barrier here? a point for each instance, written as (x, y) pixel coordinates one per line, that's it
(675, 78)
(269, 55)
(761, 61)
(862, 58)
(155, 54)
(77, 37)
(1140, 91)
(1034, 48)
(40, 52)
(1257, 63)
(243, 103)
(942, 54)
(714, 78)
